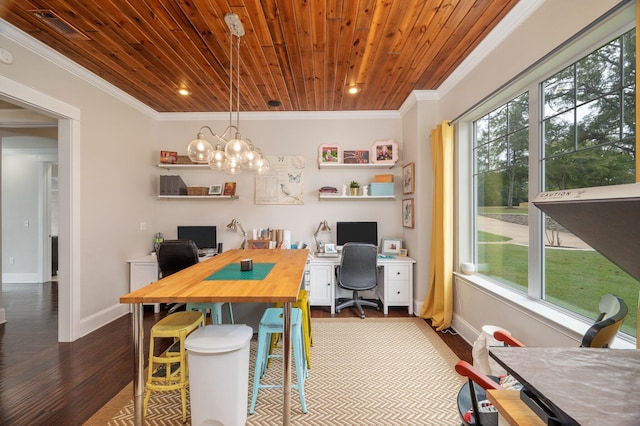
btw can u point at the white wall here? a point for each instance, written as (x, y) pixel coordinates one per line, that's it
(23, 176)
(284, 134)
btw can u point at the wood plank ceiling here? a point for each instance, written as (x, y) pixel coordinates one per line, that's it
(302, 53)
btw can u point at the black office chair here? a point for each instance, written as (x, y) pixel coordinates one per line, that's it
(176, 255)
(613, 311)
(357, 271)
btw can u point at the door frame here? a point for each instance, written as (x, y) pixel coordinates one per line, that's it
(69, 249)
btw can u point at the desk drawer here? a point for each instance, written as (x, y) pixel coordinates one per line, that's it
(397, 272)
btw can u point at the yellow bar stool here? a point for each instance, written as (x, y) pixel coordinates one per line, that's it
(169, 371)
(303, 304)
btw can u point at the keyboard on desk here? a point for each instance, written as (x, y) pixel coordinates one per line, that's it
(327, 254)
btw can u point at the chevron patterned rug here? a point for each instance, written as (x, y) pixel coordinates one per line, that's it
(377, 371)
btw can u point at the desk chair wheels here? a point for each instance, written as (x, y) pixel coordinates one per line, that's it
(358, 302)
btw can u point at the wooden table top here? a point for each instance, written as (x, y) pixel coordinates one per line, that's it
(189, 285)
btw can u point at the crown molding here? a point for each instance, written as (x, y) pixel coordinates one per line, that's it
(516, 16)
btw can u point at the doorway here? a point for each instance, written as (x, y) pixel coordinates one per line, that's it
(68, 130)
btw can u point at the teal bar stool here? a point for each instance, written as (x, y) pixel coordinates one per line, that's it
(270, 323)
(216, 311)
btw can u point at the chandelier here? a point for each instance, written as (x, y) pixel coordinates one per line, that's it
(232, 153)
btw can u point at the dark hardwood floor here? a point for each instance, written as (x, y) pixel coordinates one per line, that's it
(43, 382)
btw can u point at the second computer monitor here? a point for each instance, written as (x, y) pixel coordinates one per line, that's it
(356, 232)
(203, 236)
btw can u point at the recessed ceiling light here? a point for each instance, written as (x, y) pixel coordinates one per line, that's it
(353, 89)
(274, 103)
(184, 92)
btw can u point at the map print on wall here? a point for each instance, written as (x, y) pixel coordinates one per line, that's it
(284, 184)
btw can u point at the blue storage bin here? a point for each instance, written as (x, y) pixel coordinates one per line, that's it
(381, 188)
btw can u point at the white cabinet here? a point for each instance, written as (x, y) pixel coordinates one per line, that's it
(395, 282)
(395, 285)
(320, 283)
(142, 272)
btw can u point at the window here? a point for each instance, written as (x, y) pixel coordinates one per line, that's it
(501, 151)
(583, 135)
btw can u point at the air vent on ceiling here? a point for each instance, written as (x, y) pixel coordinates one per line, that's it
(53, 20)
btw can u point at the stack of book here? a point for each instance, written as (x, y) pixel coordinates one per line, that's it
(328, 190)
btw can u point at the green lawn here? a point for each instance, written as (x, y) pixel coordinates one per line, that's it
(575, 279)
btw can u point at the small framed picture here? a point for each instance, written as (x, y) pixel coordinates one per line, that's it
(391, 246)
(407, 213)
(403, 252)
(384, 152)
(168, 157)
(356, 157)
(215, 189)
(408, 180)
(330, 248)
(329, 154)
(229, 188)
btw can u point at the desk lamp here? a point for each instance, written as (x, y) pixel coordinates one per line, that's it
(233, 226)
(322, 227)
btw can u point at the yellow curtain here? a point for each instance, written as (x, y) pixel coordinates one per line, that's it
(438, 305)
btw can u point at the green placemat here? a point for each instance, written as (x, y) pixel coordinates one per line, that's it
(232, 272)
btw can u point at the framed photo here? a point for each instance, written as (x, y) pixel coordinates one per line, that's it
(330, 248)
(229, 188)
(168, 157)
(407, 213)
(356, 157)
(408, 180)
(329, 154)
(215, 189)
(403, 252)
(391, 246)
(384, 152)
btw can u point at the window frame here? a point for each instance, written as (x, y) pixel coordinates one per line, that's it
(466, 213)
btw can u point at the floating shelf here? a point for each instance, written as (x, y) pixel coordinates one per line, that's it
(183, 166)
(355, 197)
(356, 166)
(199, 197)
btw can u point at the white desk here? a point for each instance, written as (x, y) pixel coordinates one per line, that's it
(395, 282)
(142, 272)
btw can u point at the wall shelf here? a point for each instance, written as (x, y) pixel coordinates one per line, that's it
(356, 166)
(198, 197)
(183, 166)
(355, 197)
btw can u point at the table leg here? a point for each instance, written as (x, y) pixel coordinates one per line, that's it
(286, 349)
(138, 365)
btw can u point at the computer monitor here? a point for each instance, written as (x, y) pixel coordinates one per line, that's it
(203, 236)
(356, 232)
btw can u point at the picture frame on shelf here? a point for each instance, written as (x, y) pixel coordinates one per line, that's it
(391, 246)
(229, 189)
(215, 189)
(384, 152)
(408, 213)
(168, 157)
(329, 154)
(355, 157)
(403, 252)
(408, 178)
